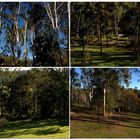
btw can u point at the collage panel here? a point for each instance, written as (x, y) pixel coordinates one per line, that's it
(105, 103)
(105, 34)
(34, 103)
(34, 34)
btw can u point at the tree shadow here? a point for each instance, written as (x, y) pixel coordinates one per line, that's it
(27, 124)
(28, 127)
(111, 121)
(109, 58)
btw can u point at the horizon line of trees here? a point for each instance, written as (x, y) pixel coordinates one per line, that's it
(34, 93)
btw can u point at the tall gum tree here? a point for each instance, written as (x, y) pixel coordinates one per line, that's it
(55, 12)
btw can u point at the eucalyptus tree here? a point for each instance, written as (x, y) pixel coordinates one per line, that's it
(56, 13)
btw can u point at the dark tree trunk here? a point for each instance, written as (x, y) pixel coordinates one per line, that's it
(82, 40)
(98, 32)
(119, 115)
(101, 52)
(107, 40)
(98, 113)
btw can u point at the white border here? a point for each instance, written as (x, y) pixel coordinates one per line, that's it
(69, 67)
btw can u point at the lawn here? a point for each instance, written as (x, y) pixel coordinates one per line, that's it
(36, 129)
(85, 125)
(114, 55)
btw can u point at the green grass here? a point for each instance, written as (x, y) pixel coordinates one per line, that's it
(121, 55)
(87, 127)
(36, 129)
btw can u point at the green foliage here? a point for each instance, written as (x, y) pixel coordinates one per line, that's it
(41, 39)
(35, 93)
(105, 22)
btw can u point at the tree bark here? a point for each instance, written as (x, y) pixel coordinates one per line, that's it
(101, 52)
(16, 27)
(25, 41)
(107, 40)
(98, 32)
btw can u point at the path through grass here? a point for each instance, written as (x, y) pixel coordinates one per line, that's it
(36, 129)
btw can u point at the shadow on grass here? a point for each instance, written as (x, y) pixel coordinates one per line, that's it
(27, 124)
(118, 58)
(111, 121)
(46, 132)
(33, 127)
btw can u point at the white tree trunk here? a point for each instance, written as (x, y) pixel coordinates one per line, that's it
(16, 24)
(32, 31)
(104, 106)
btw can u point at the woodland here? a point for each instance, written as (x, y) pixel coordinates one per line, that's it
(34, 103)
(103, 105)
(34, 34)
(105, 34)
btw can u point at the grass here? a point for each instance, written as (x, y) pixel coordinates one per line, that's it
(36, 129)
(114, 55)
(85, 125)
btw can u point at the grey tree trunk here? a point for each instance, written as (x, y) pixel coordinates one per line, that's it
(25, 42)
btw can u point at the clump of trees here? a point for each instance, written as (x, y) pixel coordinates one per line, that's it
(34, 93)
(102, 90)
(33, 34)
(98, 23)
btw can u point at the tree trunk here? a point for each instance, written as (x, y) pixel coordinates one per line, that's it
(98, 32)
(16, 27)
(119, 115)
(98, 114)
(82, 40)
(78, 26)
(107, 40)
(101, 52)
(25, 41)
(116, 28)
(104, 106)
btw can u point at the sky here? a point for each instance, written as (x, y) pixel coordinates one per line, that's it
(134, 81)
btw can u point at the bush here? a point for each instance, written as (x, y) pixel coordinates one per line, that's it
(3, 122)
